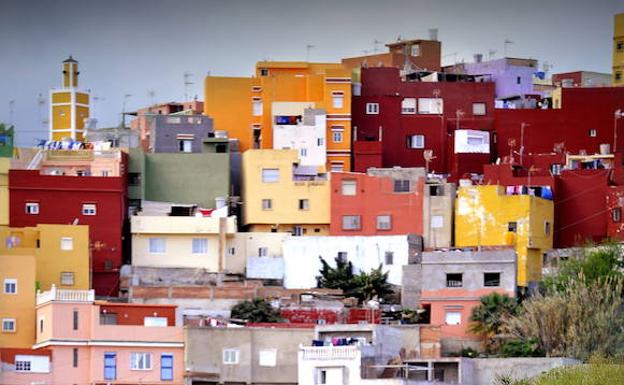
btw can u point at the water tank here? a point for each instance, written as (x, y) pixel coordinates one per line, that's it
(220, 202)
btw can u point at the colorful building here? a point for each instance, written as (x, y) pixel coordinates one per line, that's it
(5, 165)
(445, 126)
(102, 342)
(618, 49)
(17, 300)
(62, 253)
(488, 216)
(96, 201)
(253, 110)
(69, 106)
(6, 141)
(280, 195)
(21, 366)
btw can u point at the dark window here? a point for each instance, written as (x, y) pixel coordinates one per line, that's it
(616, 214)
(512, 227)
(166, 367)
(454, 280)
(518, 80)
(110, 366)
(436, 190)
(134, 178)
(342, 256)
(592, 132)
(264, 72)
(75, 358)
(389, 258)
(618, 76)
(108, 319)
(401, 186)
(491, 279)
(75, 319)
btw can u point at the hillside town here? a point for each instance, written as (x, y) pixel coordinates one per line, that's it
(319, 224)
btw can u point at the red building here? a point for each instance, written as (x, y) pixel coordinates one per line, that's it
(364, 204)
(99, 202)
(396, 121)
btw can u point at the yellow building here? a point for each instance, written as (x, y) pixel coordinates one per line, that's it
(17, 301)
(280, 195)
(69, 107)
(61, 252)
(486, 216)
(244, 106)
(5, 164)
(618, 50)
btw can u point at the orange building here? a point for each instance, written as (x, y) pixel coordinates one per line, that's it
(249, 108)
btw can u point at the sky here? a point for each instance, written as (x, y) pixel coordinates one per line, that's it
(137, 51)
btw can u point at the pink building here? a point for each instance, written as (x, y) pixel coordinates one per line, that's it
(94, 343)
(25, 366)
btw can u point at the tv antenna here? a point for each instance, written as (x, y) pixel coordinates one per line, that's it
(308, 48)
(151, 94)
(375, 45)
(491, 53)
(41, 101)
(507, 43)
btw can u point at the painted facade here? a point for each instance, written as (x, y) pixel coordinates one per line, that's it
(618, 49)
(89, 345)
(415, 54)
(62, 253)
(96, 201)
(397, 123)
(302, 263)
(244, 106)
(486, 216)
(24, 366)
(69, 106)
(17, 300)
(300, 127)
(5, 164)
(280, 195)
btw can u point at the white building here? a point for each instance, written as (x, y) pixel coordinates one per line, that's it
(297, 125)
(302, 263)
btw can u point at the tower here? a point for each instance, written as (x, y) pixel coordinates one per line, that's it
(69, 106)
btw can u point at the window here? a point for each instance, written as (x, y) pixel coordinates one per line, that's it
(67, 243)
(618, 76)
(75, 319)
(518, 80)
(67, 278)
(104, 172)
(134, 178)
(200, 246)
(415, 141)
(157, 245)
(230, 356)
(267, 204)
(263, 251)
(430, 106)
(337, 99)
(436, 190)
(32, 208)
(322, 376)
(478, 108)
(616, 214)
(270, 175)
(166, 367)
(75, 358)
(491, 279)
(174, 120)
(231, 250)
(108, 319)
(454, 280)
(303, 152)
(408, 106)
(546, 227)
(351, 222)
(452, 318)
(22, 366)
(437, 221)
(257, 107)
(41, 323)
(267, 357)
(349, 187)
(619, 46)
(593, 132)
(8, 325)
(384, 222)
(89, 209)
(372, 108)
(304, 204)
(264, 72)
(185, 145)
(389, 257)
(10, 286)
(140, 361)
(415, 50)
(337, 166)
(512, 227)
(337, 134)
(320, 141)
(342, 256)
(298, 231)
(556, 168)
(402, 185)
(158, 322)
(110, 366)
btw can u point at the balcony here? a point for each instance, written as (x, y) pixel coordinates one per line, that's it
(63, 295)
(337, 352)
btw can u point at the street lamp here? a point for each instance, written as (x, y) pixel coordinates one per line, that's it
(617, 115)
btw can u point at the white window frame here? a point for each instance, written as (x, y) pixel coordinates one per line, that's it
(382, 224)
(185, 145)
(336, 166)
(355, 222)
(31, 208)
(452, 317)
(348, 187)
(23, 366)
(231, 356)
(267, 204)
(199, 246)
(67, 243)
(7, 283)
(337, 135)
(257, 107)
(408, 106)
(415, 50)
(263, 251)
(337, 100)
(140, 361)
(298, 231)
(64, 278)
(270, 175)
(437, 221)
(372, 108)
(593, 133)
(267, 357)
(479, 109)
(416, 141)
(89, 209)
(155, 243)
(155, 322)
(304, 204)
(5, 322)
(431, 106)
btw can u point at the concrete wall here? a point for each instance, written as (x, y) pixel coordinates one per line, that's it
(165, 128)
(439, 232)
(204, 353)
(248, 245)
(485, 370)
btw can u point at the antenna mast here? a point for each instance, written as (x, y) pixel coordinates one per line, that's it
(187, 82)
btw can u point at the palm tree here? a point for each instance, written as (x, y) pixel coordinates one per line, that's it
(489, 317)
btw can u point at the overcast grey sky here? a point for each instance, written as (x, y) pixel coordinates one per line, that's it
(132, 47)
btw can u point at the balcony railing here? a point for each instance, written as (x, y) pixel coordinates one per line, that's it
(336, 352)
(55, 294)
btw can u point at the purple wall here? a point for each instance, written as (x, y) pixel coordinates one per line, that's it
(505, 76)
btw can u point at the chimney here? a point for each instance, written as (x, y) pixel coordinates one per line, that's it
(478, 57)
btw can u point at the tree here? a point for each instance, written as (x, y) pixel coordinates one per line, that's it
(256, 310)
(363, 286)
(372, 285)
(340, 277)
(489, 318)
